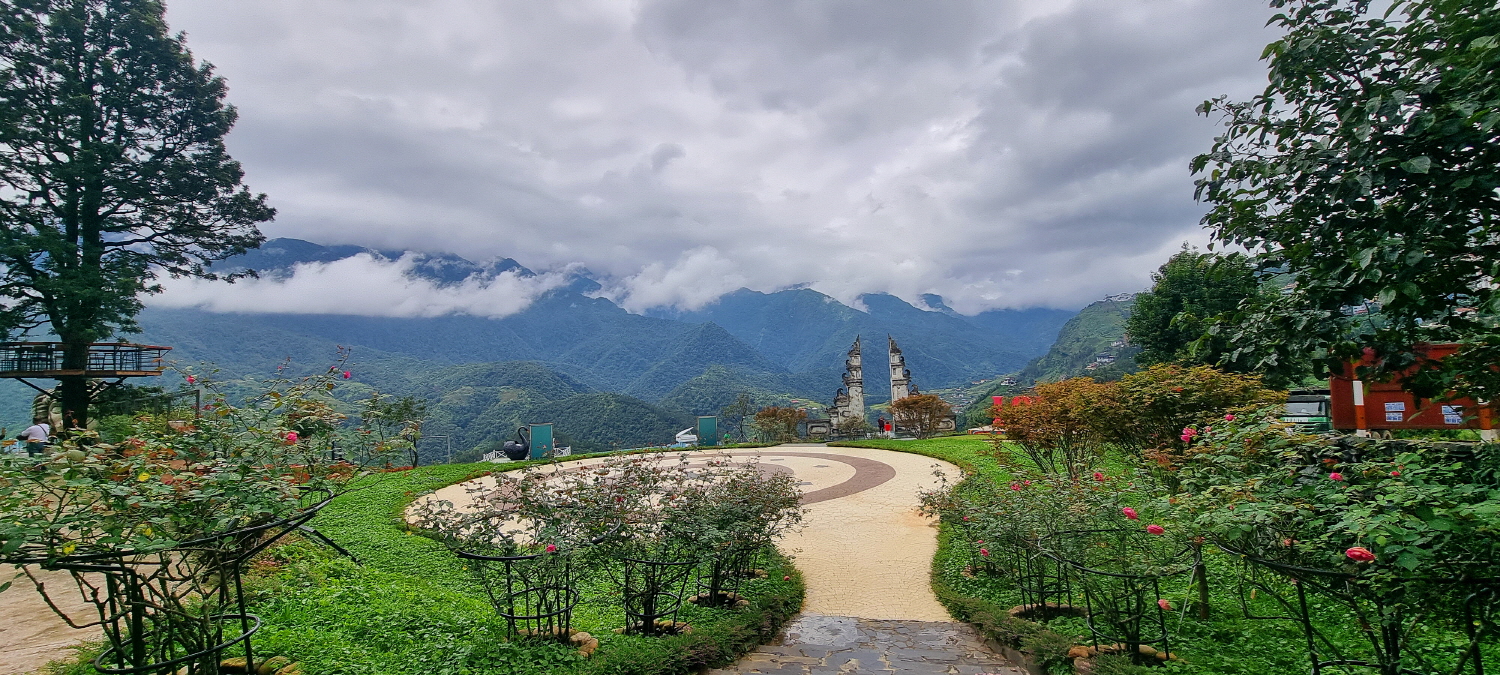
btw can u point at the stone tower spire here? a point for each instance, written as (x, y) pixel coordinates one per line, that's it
(849, 402)
(900, 376)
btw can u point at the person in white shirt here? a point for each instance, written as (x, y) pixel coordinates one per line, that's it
(35, 436)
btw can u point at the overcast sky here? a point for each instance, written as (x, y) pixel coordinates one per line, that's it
(1000, 153)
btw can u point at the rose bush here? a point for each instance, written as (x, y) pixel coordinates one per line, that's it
(237, 465)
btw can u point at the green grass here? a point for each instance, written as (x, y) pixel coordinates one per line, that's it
(1227, 643)
(411, 607)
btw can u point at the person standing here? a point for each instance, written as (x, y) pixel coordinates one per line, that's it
(35, 436)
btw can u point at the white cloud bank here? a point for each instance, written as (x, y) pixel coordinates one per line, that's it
(1000, 154)
(361, 285)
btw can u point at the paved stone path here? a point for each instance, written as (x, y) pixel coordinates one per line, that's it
(835, 645)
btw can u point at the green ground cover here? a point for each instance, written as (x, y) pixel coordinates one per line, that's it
(411, 607)
(1227, 643)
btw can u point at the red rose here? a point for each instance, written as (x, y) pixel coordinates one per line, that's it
(1130, 513)
(1360, 554)
(1156, 529)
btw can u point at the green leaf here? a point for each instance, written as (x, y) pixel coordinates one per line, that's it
(1417, 164)
(1411, 290)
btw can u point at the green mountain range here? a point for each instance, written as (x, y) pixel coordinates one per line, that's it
(604, 376)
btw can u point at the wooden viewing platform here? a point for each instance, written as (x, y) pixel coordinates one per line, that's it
(106, 360)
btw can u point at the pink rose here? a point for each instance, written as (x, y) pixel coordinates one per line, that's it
(551, 548)
(1335, 476)
(1130, 513)
(1164, 605)
(966, 519)
(1229, 418)
(1189, 431)
(984, 551)
(291, 437)
(1395, 473)
(1186, 438)
(1098, 476)
(346, 375)
(787, 578)
(1026, 482)
(1015, 486)
(1156, 529)
(979, 541)
(191, 379)
(1360, 554)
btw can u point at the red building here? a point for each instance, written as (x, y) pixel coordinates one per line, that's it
(1359, 406)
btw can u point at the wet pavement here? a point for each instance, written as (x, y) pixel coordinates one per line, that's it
(815, 644)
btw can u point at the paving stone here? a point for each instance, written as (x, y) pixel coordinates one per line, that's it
(825, 645)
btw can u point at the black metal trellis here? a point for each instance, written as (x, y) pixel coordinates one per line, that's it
(1383, 620)
(721, 576)
(538, 596)
(176, 610)
(653, 592)
(1120, 583)
(1043, 580)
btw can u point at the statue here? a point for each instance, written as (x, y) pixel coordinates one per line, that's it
(516, 451)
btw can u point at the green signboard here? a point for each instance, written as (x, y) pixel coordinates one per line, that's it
(708, 430)
(541, 440)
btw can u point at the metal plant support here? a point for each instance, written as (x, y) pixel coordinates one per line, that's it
(720, 577)
(1044, 581)
(177, 610)
(1380, 617)
(654, 591)
(1120, 573)
(538, 596)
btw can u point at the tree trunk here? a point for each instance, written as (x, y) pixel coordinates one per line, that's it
(74, 389)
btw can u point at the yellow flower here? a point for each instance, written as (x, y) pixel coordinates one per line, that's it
(69, 548)
(143, 477)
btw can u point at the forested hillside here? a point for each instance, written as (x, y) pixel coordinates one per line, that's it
(1090, 343)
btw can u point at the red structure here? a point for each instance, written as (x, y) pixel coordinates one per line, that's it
(1382, 406)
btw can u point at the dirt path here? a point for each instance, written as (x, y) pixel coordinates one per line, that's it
(30, 633)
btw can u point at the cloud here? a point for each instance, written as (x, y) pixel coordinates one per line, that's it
(998, 154)
(361, 285)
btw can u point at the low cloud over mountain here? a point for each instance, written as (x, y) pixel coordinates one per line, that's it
(999, 154)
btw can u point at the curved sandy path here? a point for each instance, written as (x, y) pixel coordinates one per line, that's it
(31, 634)
(864, 549)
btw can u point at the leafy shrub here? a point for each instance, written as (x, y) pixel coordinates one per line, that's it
(921, 413)
(1161, 402)
(1062, 429)
(774, 423)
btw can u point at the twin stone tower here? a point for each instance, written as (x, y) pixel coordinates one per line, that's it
(848, 410)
